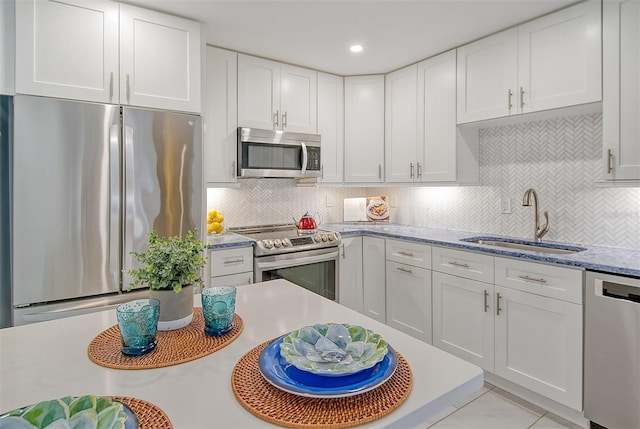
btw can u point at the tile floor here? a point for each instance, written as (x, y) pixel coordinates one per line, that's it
(493, 408)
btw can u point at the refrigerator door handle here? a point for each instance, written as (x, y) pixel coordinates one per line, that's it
(114, 204)
(129, 203)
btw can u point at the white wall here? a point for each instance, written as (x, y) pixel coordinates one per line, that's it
(560, 158)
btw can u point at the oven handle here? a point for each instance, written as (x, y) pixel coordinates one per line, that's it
(263, 266)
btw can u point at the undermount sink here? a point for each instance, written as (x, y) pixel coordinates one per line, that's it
(557, 249)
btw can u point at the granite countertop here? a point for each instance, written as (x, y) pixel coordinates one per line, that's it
(611, 260)
(226, 240)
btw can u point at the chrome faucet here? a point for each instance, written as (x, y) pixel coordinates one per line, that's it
(538, 231)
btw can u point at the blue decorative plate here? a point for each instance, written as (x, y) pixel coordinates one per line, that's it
(277, 372)
(60, 410)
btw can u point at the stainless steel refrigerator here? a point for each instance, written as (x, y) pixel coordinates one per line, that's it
(89, 182)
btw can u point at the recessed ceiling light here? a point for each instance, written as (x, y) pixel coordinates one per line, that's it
(356, 48)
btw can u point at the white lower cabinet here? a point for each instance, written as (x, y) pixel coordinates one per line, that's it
(463, 318)
(350, 292)
(538, 344)
(231, 266)
(517, 319)
(373, 278)
(408, 292)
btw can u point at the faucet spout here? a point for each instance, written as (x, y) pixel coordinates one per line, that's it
(538, 231)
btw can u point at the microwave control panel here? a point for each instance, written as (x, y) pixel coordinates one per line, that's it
(313, 158)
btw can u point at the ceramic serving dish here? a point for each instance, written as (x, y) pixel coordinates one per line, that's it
(333, 349)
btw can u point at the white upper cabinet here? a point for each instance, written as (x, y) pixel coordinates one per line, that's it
(439, 150)
(364, 129)
(87, 51)
(400, 159)
(487, 77)
(67, 49)
(621, 89)
(276, 96)
(551, 62)
(331, 126)
(220, 116)
(7, 47)
(159, 60)
(560, 59)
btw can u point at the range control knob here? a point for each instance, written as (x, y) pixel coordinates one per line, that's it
(277, 242)
(267, 243)
(317, 238)
(323, 237)
(331, 237)
(286, 242)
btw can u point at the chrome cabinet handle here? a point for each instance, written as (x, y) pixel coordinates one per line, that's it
(498, 304)
(128, 90)
(458, 264)
(609, 161)
(521, 98)
(233, 261)
(411, 170)
(486, 300)
(404, 270)
(380, 171)
(284, 120)
(533, 279)
(343, 254)
(233, 169)
(419, 171)
(111, 86)
(403, 253)
(276, 121)
(509, 97)
(322, 171)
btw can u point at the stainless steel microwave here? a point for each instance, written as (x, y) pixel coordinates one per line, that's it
(268, 153)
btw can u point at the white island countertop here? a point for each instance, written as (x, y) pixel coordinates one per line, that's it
(49, 360)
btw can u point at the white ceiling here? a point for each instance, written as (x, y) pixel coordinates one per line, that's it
(318, 33)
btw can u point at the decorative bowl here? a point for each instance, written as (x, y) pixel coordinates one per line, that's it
(333, 349)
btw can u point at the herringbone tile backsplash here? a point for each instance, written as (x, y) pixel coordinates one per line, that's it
(560, 158)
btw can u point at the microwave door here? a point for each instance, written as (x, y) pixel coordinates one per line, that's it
(305, 158)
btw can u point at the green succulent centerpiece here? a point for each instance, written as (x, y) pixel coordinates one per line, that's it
(171, 267)
(169, 262)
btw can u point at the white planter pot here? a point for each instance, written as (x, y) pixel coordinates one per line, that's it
(176, 309)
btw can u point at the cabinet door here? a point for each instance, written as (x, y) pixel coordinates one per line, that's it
(350, 291)
(331, 126)
(220, 116)
(258, 93)
(400, 161)
(559, 59)
(463, 312)
(67, 49)
(159, 60)
(488, 77)
(373, 278)
(409, 300)
(621, 89)
(436, 146)
(7, 47)
(364, 128)
(298, 95)
(538, 345)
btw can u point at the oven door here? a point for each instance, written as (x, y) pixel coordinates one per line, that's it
(315, 270)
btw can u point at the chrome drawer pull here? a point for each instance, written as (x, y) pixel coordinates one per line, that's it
(234, 261)
(486, 301)
(404, 270)
(403, 253)
(458, 264)
(532, 279)
(498, 304)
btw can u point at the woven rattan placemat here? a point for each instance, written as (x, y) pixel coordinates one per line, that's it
(149, 416)
(285, 409)
(174, 347)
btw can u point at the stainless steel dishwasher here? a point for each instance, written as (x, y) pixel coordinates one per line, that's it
(612, 351)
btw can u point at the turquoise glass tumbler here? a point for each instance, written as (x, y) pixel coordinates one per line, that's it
(138, 323)
(218, 307)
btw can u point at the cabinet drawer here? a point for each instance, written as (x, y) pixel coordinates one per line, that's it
(406, 252)
(459, 263)
(231, 261)
(540, 279)
(240, 279)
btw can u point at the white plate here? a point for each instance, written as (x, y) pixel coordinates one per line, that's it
(372, 205)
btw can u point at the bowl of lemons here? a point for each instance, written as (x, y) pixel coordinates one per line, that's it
(214, 222)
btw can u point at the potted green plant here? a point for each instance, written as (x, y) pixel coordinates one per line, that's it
(171, 268)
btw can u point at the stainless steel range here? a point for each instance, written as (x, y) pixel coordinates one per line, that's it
(307, 258)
